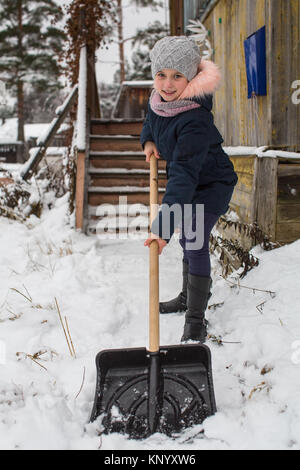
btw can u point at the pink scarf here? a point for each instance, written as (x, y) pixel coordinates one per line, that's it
(170, 108)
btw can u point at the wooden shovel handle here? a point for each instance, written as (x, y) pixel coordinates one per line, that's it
(154, 262)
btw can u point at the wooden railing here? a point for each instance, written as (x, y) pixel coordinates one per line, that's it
(88, 108)
(82, 145)
(45, 141)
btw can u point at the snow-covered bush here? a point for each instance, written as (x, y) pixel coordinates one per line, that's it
(20, 199)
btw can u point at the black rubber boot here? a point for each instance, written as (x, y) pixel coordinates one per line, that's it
(198, 294)
(179, 303)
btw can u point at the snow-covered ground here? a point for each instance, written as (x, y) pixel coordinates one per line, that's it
(101, 287)
(9, 130)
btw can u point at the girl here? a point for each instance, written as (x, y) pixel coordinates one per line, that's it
(179, 128)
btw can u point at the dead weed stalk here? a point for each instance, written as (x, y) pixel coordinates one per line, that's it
(66, 331)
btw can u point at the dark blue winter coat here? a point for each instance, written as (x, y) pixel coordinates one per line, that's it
(198, 169)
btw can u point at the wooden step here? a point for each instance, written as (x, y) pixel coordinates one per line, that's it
(123, 171)
(107, 215)
(117, 127)
(135, 195)
(94, 229)
(130, 211)
(127, 160)
(127, 178)
(106, 219)
(115, 143)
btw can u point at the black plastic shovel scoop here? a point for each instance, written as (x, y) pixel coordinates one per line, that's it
(162, 389)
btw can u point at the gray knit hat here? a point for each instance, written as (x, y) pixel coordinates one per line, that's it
(176, 52)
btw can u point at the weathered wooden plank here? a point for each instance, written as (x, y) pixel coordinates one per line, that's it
(242, 198)
(116, 128)
(242, 204)
(127, 162)
(279, 62)
(261, 102)
(244, 195)
(245, 183)
(234, 26)
(244, 164)
(95, 199)
(266, 194)
(287, 159)
(123, 180)
(122, 144)
(218, 102)
(288, 213)
(289, 180)
(226, 67)
(243, 117)
(177, 20)
(259, 121)
(218, 42)
(80, 190)
(293, 71)
(268, 122)
(287, 233)
(288, 170)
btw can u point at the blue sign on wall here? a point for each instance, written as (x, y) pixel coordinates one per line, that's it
(255, 54)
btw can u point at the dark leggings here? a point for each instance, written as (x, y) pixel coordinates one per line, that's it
(199, 259)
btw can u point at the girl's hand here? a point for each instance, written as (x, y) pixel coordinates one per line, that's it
(149, 149)
(161, 243)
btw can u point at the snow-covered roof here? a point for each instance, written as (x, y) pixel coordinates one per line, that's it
(136, 83)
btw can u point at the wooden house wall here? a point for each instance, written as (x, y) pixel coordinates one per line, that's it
(133, 103)
(243, 198)
(267, 120)
(268, 192)
(287, 220)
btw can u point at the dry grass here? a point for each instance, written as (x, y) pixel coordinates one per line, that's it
(66, 331)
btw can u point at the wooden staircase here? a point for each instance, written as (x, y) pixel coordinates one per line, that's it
(117, 169)
(111, 172)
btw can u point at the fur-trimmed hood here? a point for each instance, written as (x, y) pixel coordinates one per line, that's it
(206, 82)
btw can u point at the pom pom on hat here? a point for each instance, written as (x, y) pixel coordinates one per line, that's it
(176, 52)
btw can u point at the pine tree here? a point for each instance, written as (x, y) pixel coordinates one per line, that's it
(40, 105)
(118, 4)
(145, 40)
(108, 95)
(29, 46)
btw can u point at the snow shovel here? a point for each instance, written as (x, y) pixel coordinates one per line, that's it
(163, 389)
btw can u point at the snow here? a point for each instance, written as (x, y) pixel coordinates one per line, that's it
(9, 130)
(55, 150)
(81, 109)
(260, 152)
(101, 286)
(134, 83)
(11, 167)
(33, 152)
